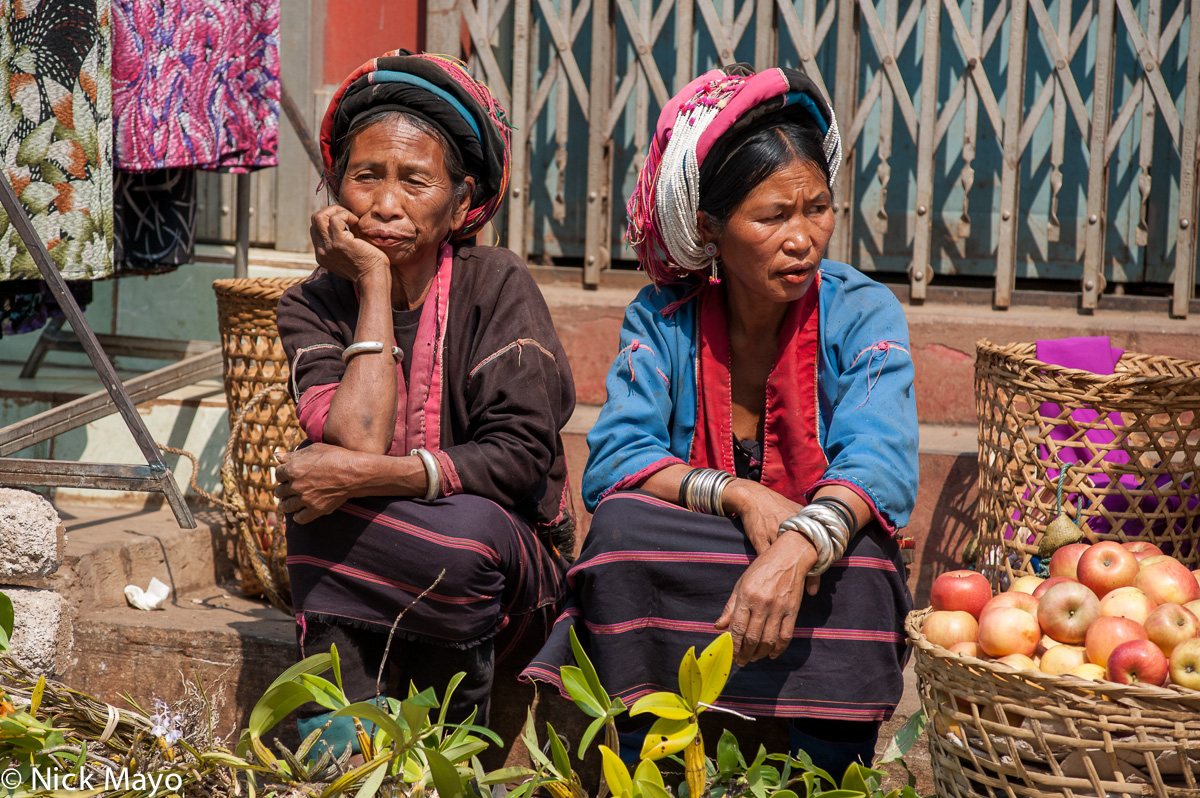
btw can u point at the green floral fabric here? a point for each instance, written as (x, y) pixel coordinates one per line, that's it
(56, 133)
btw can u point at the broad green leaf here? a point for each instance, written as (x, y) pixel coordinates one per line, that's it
(729, 756)
(6, 621)
(589, 670)
(335, 662)
(649, 789)
(841, 794)
(464, 750)
(370, 711)
(445, 775)
(668, 737)
(784, 794)
(35, 700)
(616, 775)
(506, 775)
(664, 705)
(590, 734)
(562, 762)
(483, 731)
(338, 787)
(324, 692)
(575, 683)
(316, 664)
(415, 713)
(904, 738)
(715, 663)
(807, 764)
(855, 779)
(690, 681)
(222, 758)
(454, 682)
(647, 771)
(277, 703)
(371, 783)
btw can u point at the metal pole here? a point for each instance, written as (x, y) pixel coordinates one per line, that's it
(241, 251)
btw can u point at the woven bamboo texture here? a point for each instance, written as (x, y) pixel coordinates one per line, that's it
(254, 360)
(994, 731)
(1148, 412)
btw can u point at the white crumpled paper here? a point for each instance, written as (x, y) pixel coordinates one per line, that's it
(149, 599)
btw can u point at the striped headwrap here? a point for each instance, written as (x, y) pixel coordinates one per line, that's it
(695, 131)
(440, 90)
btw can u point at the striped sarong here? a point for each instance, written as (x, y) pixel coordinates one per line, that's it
(366, 562)
(653, 577)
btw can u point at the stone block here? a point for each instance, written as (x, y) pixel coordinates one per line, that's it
(41, 639)
(32, 538)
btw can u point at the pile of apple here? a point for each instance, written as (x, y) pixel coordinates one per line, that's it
(1122, 612)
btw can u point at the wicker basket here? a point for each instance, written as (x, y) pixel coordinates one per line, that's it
(994, 731)
(1133, 464)
(262, 419)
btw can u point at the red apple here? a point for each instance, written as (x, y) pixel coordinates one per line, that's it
(1065, 561)
(945, 628)
(1193, 607)
(1018, 661)
(1061, 659)
(968, 648)
(1185, 664)
(1138, 662)
(1008, 630)
(1167, 582)
(1196, 573)
(1041, 589)
(1106, 633)
(1169, 625)
(1141, 549)
(1107, 566)
(1127, 602)
(961, 590)
(1067, 610)
(1024, 584)
(1020, 601)
(1153, 558)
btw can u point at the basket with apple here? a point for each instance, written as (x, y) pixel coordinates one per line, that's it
(1083, 683)
(1068, 456)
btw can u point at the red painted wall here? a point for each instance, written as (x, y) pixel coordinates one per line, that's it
(358, 30)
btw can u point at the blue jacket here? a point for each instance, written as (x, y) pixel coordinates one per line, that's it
(867, 413)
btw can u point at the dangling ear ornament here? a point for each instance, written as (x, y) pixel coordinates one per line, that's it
(711, 251)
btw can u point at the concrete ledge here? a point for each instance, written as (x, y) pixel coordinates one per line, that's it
(41, 639)
(31, 538)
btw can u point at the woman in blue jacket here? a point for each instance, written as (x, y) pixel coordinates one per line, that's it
(758, 448)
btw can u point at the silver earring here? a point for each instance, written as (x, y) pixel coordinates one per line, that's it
(710, 250)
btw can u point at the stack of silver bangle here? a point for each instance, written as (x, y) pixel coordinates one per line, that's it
(825, 528)
(702, 488)
(433, 476)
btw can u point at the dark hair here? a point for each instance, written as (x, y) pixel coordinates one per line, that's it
(760, 151)
(453, 158)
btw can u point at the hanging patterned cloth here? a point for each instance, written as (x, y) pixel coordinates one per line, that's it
(154, 216)
(196, 83)
(56, 134)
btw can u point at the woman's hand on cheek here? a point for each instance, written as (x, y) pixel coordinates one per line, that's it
(760, 509)
(339, 250)
(761, 612)
(316, 480)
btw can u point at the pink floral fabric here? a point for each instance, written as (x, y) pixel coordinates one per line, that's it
(195, 83)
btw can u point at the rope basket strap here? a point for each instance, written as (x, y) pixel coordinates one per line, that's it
(997, 731)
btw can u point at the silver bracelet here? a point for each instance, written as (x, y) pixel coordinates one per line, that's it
(825, 529)
(368, 347)
(703, 490)
(433, 477)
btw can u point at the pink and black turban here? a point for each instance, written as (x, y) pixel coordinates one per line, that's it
(440, 90)
(695, 131)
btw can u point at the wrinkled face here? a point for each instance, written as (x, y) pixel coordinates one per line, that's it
(774, 240)
(397, 185)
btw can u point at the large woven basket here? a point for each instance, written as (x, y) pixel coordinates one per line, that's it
(1146, 414)
(262, 419)
(994, 731)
